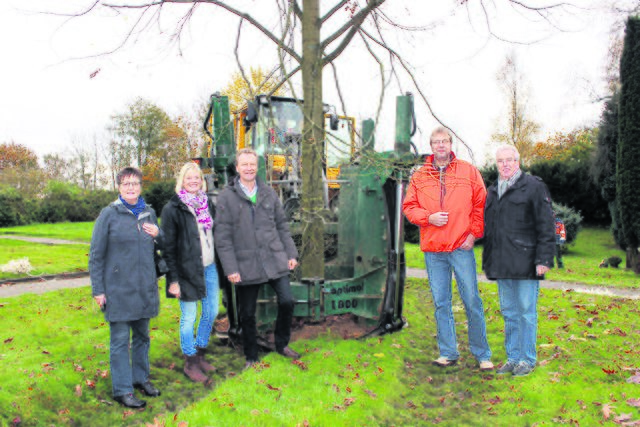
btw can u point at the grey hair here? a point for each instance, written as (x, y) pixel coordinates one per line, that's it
(509, 147)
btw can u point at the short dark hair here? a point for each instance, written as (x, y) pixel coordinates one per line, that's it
(128, 171)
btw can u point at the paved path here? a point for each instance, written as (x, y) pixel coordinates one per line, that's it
(45, 285)
(43, 240)
(563, 286)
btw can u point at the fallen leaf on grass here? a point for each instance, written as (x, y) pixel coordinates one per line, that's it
(634, 379)
(619, 332)
(495, 401)
(378, 354)
(609, 371)
(270, 387)
(300, 364)
(91, 384)
(348, 401)
(8, 340)
(78, 391)
(634, 402)
(411, 405)
(606, 411)
(370, 393)
(622, 418)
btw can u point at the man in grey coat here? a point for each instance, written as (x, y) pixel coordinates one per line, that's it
(255, 247)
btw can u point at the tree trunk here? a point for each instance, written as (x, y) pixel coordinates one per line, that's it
(312, 253)
(632, 259)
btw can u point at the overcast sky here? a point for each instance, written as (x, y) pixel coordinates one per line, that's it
(58, 87)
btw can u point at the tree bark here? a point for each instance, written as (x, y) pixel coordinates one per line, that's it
(312, 253)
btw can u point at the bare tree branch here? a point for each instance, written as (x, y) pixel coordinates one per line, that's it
(352, 27)
(417, 86)
(335, 8)
(296, 8)
(223, 5)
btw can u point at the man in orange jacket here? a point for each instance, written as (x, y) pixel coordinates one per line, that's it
(445, 198)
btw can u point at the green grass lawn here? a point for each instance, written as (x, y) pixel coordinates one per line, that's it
(581, 262)
(44, 258)
(76, 231)
(55, 371)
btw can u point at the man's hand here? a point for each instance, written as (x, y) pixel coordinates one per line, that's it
(292, 263)
(439, 218)
(467, 245)
(541, 269)
(174, 289)
(234, 278)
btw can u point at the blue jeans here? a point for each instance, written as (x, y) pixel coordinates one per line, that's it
(440, 265)
(518, 304)
(189, 310)
(128, 366)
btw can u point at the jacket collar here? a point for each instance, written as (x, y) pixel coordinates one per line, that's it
(431, 158)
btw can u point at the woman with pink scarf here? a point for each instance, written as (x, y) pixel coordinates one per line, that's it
(187, 222)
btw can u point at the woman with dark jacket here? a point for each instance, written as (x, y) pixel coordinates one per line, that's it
(125, 286)
(187, 222)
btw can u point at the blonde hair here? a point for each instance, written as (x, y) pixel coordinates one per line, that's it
(183, 171)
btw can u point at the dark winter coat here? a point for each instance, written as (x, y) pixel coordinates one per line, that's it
(519, 230)
(253, 240)
(182, 250)
(121, 263)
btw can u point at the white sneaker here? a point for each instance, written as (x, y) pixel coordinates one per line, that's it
(486, 365)
(444, 362)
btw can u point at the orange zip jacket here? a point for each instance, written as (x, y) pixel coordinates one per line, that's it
(462, 196)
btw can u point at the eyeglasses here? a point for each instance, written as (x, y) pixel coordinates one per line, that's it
(133, 184)
(506, 161)
(440, 141)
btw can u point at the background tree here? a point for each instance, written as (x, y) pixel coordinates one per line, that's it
(19, 169)
(14, 155)
(604, 167)
(172, 151)
(519, 130)
(242, 89)
(56, 167)
(141, 129)
(576, 145)
(628, 155)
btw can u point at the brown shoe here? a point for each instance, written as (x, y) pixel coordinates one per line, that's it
(203, 364)
(192, 369)
(287, 352)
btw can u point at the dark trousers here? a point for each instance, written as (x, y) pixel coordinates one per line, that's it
(247, 300)
(129, 355)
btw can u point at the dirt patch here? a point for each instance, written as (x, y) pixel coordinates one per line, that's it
(345, 326)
